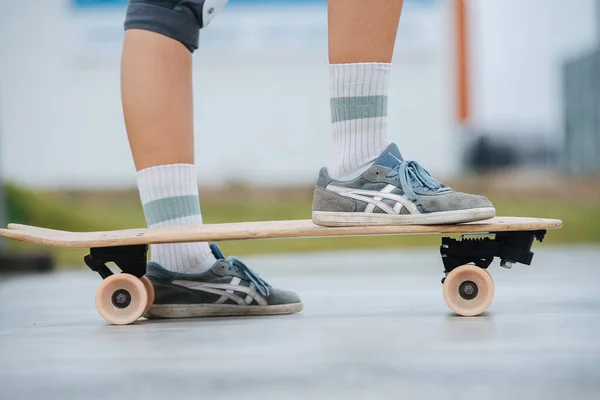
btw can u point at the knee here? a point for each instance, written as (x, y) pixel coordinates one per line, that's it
(178, 19)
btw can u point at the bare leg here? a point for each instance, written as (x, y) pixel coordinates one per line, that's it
(362, 31)
(156, 87)
(362, 36)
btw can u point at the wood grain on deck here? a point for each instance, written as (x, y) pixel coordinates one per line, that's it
(256, 230)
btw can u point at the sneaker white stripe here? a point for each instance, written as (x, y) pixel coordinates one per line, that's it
(369, 200)
(249, 298)
(349, 192)
(233, 297)
(397, 208)
(371, 206)
(225, 290)
(234, 282)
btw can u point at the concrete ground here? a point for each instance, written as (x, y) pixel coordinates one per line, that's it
(374, 326)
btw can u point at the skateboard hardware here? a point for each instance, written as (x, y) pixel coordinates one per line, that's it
(511, 247)
(469, 289)
(122, 298)
(129, 259)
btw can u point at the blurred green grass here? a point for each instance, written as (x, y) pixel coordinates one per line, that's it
(106, 210)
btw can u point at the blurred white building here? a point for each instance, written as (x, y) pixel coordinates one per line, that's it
(262, 90)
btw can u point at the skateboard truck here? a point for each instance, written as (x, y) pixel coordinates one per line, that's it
(511, 247)
(122, 298)
(130, 259)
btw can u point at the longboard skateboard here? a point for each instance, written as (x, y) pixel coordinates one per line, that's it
(124, 297)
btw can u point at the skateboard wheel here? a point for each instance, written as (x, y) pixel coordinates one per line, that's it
(468, 290)
(121, 299)
(150, 290)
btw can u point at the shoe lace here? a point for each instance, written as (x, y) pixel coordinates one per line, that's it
(261, 285)
(411, 174)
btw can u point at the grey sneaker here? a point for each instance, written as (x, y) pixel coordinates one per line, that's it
(394, 192)
(228, 288)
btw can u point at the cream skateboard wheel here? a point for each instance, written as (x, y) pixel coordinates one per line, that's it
(468, 290)
(121, 299)
(150, 290)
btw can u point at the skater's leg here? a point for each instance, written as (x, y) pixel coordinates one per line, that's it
(368, 182)
(156, 80)
(156, 77)
(362, 35)
(189, 279)
(362, 31)
(156, 88)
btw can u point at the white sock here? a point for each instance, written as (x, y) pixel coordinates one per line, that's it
(169, 195)
(359, 94)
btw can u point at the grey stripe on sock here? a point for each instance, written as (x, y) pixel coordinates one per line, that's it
(347, 108)
(171, 208)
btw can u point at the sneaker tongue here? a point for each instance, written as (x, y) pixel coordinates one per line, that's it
(390, 157)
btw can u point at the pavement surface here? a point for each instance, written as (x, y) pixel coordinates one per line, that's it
(374, 325)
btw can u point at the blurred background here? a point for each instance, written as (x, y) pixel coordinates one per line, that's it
(498, 97)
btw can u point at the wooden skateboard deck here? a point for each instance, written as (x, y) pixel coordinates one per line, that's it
(257, 230)
(122, 298)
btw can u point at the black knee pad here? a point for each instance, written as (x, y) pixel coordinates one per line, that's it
(178, 19)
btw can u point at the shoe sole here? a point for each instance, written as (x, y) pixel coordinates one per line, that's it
(336, 219)
(218, 310)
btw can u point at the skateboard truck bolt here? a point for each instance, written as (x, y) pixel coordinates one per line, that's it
(506, 264)
(121, 298)
(468, 290)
